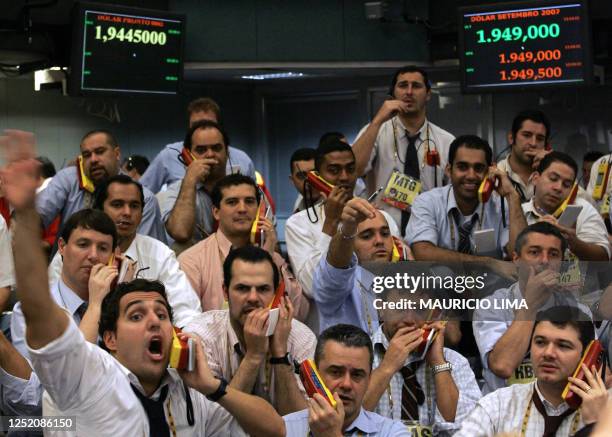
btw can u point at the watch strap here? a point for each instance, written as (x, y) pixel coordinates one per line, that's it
(281, 360)
(446, 367)
(220, 392)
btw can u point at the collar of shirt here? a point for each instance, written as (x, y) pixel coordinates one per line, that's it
(232, 338)
(530, 208)
(504, 165)
(223, 243)
(451, 203)
(169, 378)
(362, 423)
(403, 129)
(551, 410)
(70, 300)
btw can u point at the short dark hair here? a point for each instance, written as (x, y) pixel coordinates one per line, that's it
(332, 146)
(138, 162)
(592, 156)
(205, 124)
(204, 104)
(556, 156)
(109, 313)
(110, 139)
(471, 142)
(347, 335)
(92, 219)
(250, 254)
(544, 228)
(231, 180)
(328, 137)
(101, 193)
(530, 114)
(47, 169)
(408, 69)
(305, 154)
(561, 316)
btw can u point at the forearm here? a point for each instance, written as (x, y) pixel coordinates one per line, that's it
(330, 226)
(181, 222)
(447, 403)
(12, 361)
(511, 348)
(89, 323)
(44, 319)
(426, 251)
(289, 398)
(587, 251)
(340, 251)
(379, 383)
(5, 293)
(517, 219)
(245, 377)
(364, 145)
(255, 415)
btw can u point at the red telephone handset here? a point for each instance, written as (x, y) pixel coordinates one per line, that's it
(432, 157)
(278, 294)
(186, 156)
(318, 183)
(182, 353)
(485, 190)
(592, 356)
(313, 383)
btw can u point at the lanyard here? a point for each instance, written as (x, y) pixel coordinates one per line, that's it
(171, 419)
(396, 147)
(574, 425)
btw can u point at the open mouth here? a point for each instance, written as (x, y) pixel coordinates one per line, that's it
(155, 348)
(345, 398)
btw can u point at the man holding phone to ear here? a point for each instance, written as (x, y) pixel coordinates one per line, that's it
(400, 136)
(554, 181)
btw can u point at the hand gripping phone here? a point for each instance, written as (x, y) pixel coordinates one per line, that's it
(182, 353)
(399, 251)
(429, 336)
(601, 182)
(186, 157)
(592, 356)
(84, 182)
(313, 383)
(568, 201)
(318, 183)
(273, 307)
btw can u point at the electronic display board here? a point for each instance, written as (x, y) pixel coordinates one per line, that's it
(524, 44)
(126, 50)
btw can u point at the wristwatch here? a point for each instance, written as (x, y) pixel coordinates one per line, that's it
(285, 359)
(446, 367)
(220, 392)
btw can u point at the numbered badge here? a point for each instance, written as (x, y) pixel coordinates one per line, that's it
(401, 190)
(415, 429)
(604, 209)
(523, 374)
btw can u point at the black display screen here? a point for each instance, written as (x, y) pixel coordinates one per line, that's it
(127, 50)
(524, 44)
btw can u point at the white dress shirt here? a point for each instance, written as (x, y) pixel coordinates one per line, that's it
(385, 158)
(7, 275)
(590, 227)
(504, 411)
(86, 382)
(429, 414)
(162, 266)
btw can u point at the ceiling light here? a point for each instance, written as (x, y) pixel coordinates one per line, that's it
(285, 75)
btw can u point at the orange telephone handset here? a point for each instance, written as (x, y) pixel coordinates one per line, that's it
(257, 234)
(399, 251)
(592, 356)
(432, 157)
(568, 201)
(182, 353)
(278, 294)
(318, 183)
(313, 383)
(187, 157)
(485, 190)
(84, 182)
(113, 261)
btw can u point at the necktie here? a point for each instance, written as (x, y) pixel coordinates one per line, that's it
(81, 310)
(465, 230)
(412, 393)
(411, 168)
(158, 426)
(551, 423)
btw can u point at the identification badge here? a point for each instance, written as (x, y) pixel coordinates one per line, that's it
(401, 190)
(571, 278)
(415, 429)
(523, 374)
(604, 209)
(601, 183)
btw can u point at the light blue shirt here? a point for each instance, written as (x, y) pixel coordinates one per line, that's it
(367, 424)
(431, 220)
(21, 396)
(166, 168)
(345, 296)
(63, 196)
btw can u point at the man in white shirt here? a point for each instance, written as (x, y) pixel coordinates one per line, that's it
(235, 340)
(124, 392)
(554, 180)
(7, 277)
(401, 138)
(559, 339)
(121, 199)
(301, 162)
(528, 139)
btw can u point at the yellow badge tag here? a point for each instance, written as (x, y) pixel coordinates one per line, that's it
(572, 277)
(601, 183)
(417, 430)
(401, 190)
(523, 374)
(604, 209)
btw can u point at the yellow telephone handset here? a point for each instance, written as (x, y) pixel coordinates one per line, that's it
(601, 183)
(84, 182)
(568, 201)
